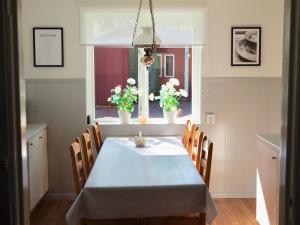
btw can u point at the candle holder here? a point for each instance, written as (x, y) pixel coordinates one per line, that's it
(139, 141)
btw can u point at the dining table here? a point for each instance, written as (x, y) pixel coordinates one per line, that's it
(157, 180)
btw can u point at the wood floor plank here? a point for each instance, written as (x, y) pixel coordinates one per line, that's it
(230, 212)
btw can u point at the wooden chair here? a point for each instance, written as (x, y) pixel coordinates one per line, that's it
(77, 164)
(87, 150)
(204, 157)
(97, 137)
(205, 160)
(187, 133)
(193, 219)
(198, 156)
(196, 146)
(191, 141)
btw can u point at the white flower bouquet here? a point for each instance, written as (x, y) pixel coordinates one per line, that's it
(169, 97)
(125, 99)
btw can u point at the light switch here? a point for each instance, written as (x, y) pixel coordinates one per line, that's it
(210, 118)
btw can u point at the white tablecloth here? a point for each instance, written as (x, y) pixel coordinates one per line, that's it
(157, 180)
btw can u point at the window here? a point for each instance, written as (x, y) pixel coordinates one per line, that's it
(169, 65)
(158, 63)
(101, 28)
(113, 66)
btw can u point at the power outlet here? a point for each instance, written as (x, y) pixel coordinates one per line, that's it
(210, 118)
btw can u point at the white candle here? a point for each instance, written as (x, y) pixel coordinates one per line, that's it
(140, 133)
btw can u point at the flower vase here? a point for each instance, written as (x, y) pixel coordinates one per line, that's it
(170, 117)
(124, 117)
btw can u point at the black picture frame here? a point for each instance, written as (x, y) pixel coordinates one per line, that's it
(246, 46)
(44, 54)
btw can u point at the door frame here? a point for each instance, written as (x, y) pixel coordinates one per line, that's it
(289, 203)
(11, 188)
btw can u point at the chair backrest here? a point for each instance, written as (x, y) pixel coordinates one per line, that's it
(190, 143)
(77, 165)
(199, 148)
(187, 133)
(87, 149)
(205, 160)
(97, 137)
(196, 146)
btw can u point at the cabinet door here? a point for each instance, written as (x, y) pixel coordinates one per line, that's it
(34, 164)
(268, 175)
(44, 158)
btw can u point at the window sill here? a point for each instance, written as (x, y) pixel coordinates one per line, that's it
(151, 121)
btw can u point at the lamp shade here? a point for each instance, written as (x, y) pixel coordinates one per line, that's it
(145, 39)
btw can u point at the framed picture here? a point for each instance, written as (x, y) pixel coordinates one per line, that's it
(48, 48)
(245, 46)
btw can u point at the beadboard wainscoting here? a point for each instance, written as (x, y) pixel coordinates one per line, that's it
(243, 107)
(59, 103)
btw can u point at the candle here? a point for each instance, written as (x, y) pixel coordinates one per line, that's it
(143, 119)
(140, 134)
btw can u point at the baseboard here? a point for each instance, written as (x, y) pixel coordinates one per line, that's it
(56, 197)
(233, 195)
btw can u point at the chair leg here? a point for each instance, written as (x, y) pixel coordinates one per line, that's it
(82, 221)
(202, 219)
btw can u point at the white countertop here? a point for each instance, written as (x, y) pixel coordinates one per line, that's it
(34, 128)
(272, 139)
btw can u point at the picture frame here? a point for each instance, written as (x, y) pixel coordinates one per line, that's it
(48, 47)
(246, 46)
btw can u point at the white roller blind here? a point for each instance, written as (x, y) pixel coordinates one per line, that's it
(114, 26)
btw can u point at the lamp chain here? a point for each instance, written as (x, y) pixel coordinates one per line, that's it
(137, 21)
(153, 24)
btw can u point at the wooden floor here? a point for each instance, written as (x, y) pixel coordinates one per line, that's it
(230, 212)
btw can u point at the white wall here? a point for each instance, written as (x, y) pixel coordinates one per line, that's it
(222, 14)
(47, 13)
(243, 106)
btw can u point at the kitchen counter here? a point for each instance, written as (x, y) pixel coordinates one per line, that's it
(272, 139)
(34, 128)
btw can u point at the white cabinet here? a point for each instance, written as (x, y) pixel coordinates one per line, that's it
(267, 196)
(37, 165)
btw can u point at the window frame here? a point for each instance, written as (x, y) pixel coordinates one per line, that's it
(196, 90)
(165, 65)
(160, 55)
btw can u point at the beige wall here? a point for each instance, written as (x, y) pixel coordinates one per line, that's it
(47, 13)
(223, 14)
(234, 140)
